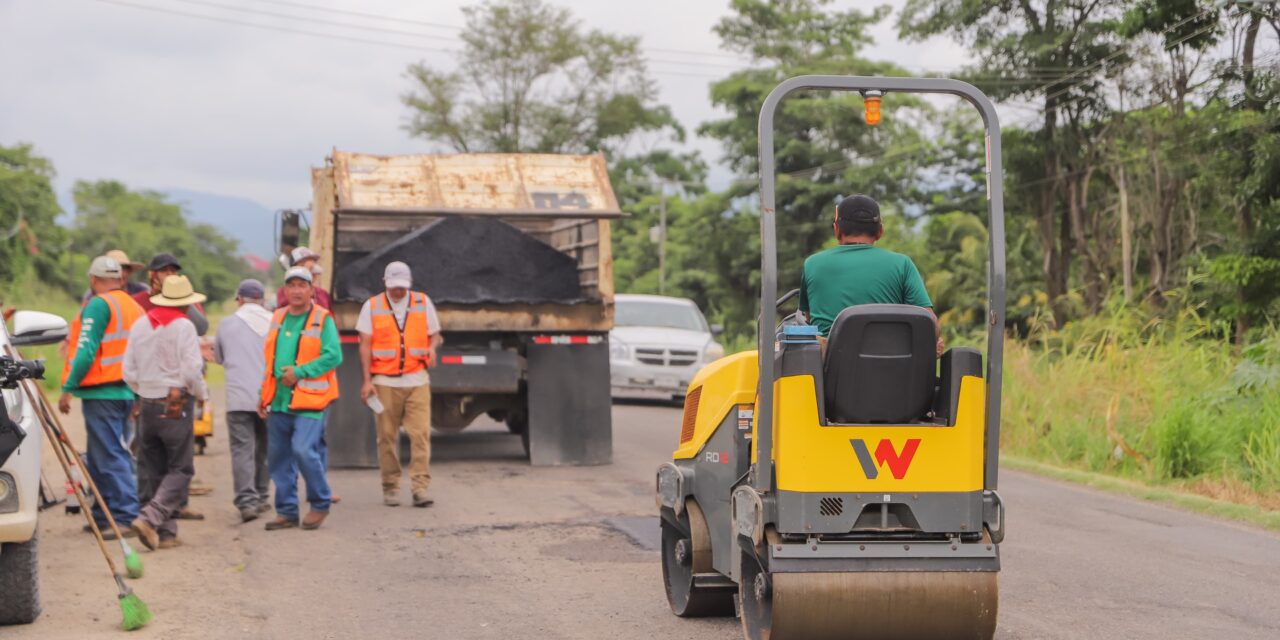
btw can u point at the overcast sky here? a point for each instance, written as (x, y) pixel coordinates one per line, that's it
(108, 89)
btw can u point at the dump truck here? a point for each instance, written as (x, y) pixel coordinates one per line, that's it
(513, 250)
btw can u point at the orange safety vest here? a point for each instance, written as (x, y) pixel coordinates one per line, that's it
(108, 362)
(309, 394)
(396, 350)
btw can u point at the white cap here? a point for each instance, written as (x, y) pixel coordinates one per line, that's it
(105, 267)
(298, 272)
(303, 253)
(397, 275)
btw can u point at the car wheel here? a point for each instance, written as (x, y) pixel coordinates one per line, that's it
(19, 582)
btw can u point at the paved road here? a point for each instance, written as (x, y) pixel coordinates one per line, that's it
(513, 552)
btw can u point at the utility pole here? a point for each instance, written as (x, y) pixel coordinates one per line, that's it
(1126, 226)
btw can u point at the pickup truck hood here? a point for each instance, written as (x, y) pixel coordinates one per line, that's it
(662, 336)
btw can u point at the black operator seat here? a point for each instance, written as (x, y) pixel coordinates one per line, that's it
(880, 365)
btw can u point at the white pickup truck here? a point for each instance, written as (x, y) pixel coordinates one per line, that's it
(20, 476)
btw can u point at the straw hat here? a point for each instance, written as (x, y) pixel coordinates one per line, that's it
(177, 292)
(123, 259)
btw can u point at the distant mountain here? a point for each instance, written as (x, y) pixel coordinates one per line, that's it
(240, 218)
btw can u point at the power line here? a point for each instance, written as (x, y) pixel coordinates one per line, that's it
(312, 7)
(280, 29)
(287, 16)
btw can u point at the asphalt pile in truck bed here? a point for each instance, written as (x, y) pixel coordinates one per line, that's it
(469, 261)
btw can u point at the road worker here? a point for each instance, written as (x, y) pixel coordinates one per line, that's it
(399, 334)
(94, 372)
(163, 365)
(302, 354)
(856, 271)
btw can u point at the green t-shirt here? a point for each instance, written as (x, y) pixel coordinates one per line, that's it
(854, 274)
(94, 318)
(287, 356)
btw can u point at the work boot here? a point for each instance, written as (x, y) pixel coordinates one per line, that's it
(146, 534)
(335, 499)
(249, 514)
(281, 523)
(264, 507)
(391, 498)
(187, 513)
(169, 543)
(420, 499)
(313, 519)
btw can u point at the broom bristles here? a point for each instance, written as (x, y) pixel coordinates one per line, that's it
(136, 613)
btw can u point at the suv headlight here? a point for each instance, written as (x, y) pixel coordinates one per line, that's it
(713, 352)
(8, 493)
(618, 350)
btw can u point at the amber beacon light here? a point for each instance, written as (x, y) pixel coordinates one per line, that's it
(871, 107)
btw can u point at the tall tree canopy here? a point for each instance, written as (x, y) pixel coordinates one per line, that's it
(143, 223)
(30, 239)
(530, 78)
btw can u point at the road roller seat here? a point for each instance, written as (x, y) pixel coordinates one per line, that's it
(880, 365)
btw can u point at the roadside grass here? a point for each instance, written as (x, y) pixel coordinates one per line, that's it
(1164, 403)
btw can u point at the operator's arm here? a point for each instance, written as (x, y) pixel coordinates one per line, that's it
(913, 293)
(330, 353)
(433, 324)
(93, 323)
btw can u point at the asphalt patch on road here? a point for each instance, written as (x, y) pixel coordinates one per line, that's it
(642, 531)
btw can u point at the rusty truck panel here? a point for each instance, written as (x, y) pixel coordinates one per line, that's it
(363, 201)
(475, 184)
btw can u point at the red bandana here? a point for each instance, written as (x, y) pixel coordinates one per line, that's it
(162, 316)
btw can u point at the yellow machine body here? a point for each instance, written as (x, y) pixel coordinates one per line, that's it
(817, 458)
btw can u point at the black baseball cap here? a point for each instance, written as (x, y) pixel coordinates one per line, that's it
(162, 260)
(858, 208)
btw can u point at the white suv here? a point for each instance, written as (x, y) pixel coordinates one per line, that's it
(20, 478)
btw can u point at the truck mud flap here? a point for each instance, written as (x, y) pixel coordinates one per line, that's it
(477, 372)
(570, 411)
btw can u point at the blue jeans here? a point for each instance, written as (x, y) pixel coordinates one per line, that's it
(293, 445)
(108, 459)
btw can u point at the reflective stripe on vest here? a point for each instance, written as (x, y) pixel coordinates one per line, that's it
(398, 350)
(309, 394)
(108, 362)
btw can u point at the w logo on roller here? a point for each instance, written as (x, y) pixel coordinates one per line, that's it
(898, 462)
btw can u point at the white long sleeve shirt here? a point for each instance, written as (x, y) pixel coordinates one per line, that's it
(158, 359)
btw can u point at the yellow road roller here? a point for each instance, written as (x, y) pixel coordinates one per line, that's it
(850, 494)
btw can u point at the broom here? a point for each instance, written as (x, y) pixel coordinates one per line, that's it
(135, 611)
(132, 561)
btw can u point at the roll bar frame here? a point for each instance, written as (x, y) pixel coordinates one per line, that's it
(763, 477)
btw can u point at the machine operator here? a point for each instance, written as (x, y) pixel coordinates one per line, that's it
(857, 272)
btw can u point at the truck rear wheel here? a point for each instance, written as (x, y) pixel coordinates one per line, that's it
(19, 582)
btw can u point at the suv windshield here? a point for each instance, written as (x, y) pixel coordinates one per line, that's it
(636, 313)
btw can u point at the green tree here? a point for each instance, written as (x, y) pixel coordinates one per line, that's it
(143, 223)
(532, 79)
(1057, 53)
(823, 147)
(31, 242)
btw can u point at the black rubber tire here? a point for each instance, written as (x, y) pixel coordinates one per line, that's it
(19, 583)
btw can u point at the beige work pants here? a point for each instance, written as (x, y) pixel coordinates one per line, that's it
(409, 407)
